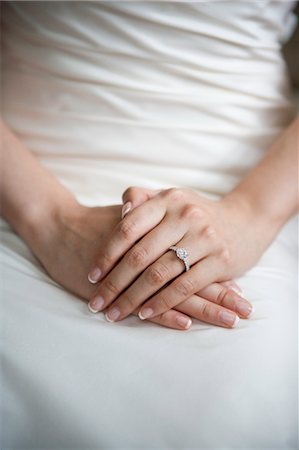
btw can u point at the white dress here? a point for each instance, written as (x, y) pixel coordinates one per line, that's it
(156, 94)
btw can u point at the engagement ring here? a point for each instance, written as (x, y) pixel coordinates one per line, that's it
(182, 254)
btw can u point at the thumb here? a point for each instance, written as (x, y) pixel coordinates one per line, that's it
(134, 196)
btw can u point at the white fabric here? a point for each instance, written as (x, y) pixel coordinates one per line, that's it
(154, 94)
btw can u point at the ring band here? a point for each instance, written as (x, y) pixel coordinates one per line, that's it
(182, 254)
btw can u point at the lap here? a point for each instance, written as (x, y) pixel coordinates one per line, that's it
(73, 380)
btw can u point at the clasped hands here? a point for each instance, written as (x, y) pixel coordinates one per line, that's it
(136, 272)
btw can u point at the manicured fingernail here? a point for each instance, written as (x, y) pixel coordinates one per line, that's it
(146, 313)
(244, 308)
(251, 312)
(229, 318)
(96, 304)
(184, 322)
(113, 314)
(91, 308)
(94, 275)
(125, 209)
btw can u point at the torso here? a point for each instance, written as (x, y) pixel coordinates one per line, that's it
(147, 92)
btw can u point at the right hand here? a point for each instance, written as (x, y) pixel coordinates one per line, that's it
(207, 305)
(219, 293)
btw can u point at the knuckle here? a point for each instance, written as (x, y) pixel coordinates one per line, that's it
(225, 256)
(221, 296)
(137, 257)
(129, 192)
(128, 302)
(185, 287)
(161, 318)
(173, 194)
(127, 229)
(157, 274)
(109, 286)
(209, 232)
(165, 302)
(205, 310)
(104, 260)
(191, 211)
(219, 246)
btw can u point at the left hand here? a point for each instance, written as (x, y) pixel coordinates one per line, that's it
(223, 239)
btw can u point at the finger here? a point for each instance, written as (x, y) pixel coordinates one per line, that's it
(217, 293)
(135, 196)
(171, 319)
(202, 309)
(199, 276)
(138, 195)
(231, 284)
(151, 280)
(132, 228)
(135, 261)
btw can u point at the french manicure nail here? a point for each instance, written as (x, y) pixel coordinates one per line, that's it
(252, 312)
(94, 311)
(146, 313)
(113, 314)
(94, 275)
(125, 209)
(96, 304)
(229, 318)
(184, 322)
(244, 308)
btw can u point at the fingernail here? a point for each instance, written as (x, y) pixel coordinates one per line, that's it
(229, 318)
(96, 304)
(113, 314)
(184, 322)
(94, 275)
(244, 308)
(94, 311)
(146, 313)
(125, 209)
(252, 312)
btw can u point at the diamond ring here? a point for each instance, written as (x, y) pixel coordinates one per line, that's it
(182, 254)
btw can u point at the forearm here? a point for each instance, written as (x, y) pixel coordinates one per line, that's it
(271, 188)
(30, 195)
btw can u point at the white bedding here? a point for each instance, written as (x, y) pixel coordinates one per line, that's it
(191, 95)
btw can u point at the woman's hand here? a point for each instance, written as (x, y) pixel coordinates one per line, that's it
(74, 236)
(69, 240)
(199, 306)
(211, 231)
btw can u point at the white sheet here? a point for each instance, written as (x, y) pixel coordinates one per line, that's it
(71, 379)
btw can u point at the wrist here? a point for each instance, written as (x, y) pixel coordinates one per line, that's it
(270, 190)
(39, 222)
(256, 210)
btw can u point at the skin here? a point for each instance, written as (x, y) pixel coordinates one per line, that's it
(224, 238)
(66, 237)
